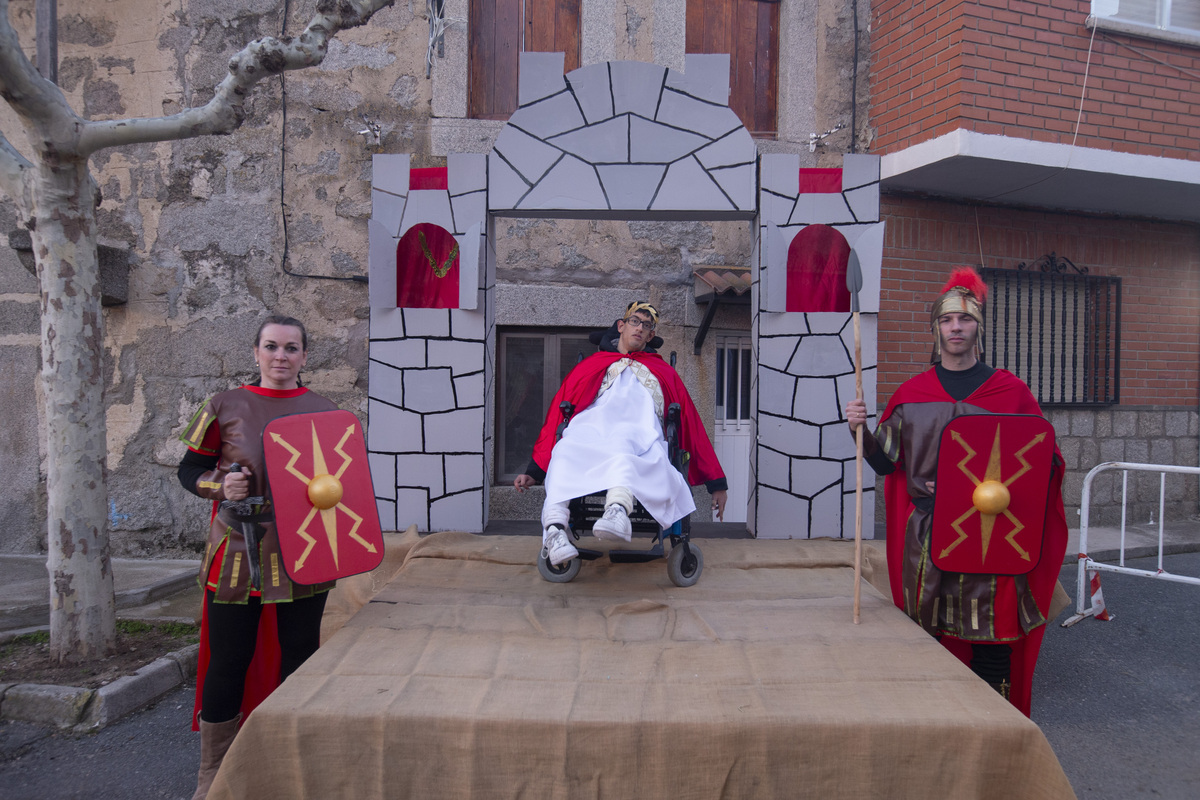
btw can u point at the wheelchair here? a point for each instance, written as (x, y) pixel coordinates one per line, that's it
(685, 562)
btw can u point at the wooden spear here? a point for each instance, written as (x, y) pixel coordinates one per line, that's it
(854, 282)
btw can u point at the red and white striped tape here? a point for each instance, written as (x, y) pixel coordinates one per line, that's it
(1099, 610)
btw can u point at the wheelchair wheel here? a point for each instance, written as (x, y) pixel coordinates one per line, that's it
(683, 568)
(563, 573)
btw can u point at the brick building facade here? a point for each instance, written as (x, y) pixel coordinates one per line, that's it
(1012, 130)
(1016, 68)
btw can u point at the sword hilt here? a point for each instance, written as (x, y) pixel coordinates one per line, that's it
(245, 506)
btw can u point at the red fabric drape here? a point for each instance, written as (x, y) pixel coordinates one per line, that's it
(428, 178)
(820, 180)
(427, 268)
(816, 270)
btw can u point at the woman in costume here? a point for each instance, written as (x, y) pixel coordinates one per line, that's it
(258, 626)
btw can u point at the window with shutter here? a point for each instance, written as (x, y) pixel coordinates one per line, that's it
(748, 30)
(499, 30)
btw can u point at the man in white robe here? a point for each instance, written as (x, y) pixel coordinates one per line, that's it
(616, 443)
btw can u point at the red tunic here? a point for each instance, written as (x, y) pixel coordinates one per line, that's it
(1001, 393)
(583, 382)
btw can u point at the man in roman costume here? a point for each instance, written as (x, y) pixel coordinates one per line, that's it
(993, 622)
(614, 442)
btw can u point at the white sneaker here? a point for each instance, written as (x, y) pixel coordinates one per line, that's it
(614, 524)
(557, 547)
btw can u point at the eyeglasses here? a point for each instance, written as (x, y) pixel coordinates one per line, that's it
(638, 322)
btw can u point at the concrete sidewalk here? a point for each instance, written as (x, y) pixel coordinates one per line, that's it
(159, 590)
(1104, 543)
(142, 587)
(165, 590)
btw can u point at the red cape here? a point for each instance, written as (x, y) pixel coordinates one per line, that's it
(582, 384)
(1002, 393)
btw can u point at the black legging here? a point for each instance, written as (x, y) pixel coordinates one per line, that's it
(991, 661)
(232, 635)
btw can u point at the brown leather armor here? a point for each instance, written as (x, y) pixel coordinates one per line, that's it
(242, 414)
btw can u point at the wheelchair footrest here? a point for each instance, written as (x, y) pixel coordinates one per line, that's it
(589, 555)
(633, 556)
(636, 556)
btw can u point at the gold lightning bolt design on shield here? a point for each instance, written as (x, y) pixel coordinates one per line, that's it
(328, 515)
(988, 521)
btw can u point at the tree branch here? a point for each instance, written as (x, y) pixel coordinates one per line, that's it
(36, 100)
(260, 59)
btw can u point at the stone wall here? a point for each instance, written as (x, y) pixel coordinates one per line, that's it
(221, 231)
(23, 506)
(1134, 434)
(206, 224)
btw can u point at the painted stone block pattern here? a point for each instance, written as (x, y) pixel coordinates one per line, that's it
(624, 136)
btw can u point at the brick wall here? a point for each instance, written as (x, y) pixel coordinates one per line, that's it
(1016, 68)
(1159, 264)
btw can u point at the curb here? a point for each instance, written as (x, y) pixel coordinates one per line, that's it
(132, 598)
(84, 710)
(38, 614)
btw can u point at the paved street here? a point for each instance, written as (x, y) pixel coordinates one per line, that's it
(150, 754)
(1120, 701)
(1117, 700)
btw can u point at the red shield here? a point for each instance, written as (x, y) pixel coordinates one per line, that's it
(323, 497)
(993, 483)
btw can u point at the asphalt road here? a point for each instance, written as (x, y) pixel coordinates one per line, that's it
(150, 754)
(1117, 701)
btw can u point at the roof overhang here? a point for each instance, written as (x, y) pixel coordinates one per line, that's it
(1004, 170)
(718, 286)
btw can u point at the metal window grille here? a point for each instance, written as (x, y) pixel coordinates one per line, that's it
(733, 382)
(1058, 329)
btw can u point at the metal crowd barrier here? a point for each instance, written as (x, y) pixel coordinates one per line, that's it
(1082, 583)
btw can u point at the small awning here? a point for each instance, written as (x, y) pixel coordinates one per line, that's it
(716, 285)
(722, 280)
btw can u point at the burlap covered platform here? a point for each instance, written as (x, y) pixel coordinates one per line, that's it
(468, 676)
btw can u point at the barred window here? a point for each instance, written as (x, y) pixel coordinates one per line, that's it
(1058, 329)
(734, 367)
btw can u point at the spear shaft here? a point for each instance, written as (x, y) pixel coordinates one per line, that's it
(854, 284)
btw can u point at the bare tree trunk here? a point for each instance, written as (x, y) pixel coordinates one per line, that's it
(82, 609)
(57, 194)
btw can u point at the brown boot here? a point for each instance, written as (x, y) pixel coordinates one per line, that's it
(215, 738)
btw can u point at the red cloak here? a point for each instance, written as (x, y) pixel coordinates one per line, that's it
(1001, 393)
(583, 383)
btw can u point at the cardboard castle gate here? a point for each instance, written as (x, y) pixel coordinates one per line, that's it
(634, 141)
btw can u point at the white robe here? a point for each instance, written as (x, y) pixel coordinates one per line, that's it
(618, 441)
